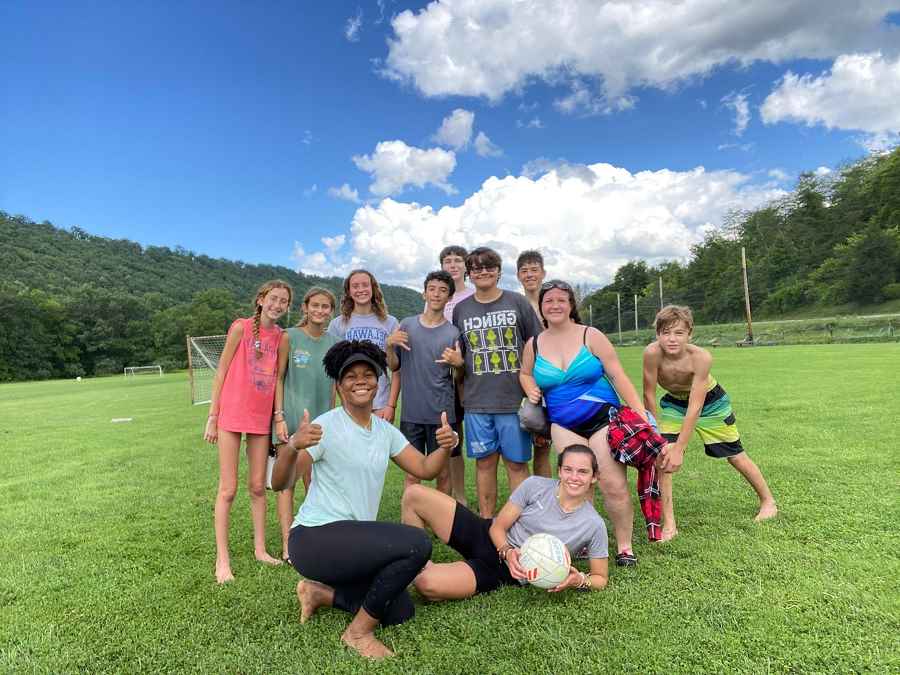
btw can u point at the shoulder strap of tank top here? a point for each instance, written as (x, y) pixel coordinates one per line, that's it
(534, 345)
(584, 337)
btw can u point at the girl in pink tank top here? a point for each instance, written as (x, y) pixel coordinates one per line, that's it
(242, 396)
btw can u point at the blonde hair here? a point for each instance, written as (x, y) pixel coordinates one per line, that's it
(261, 294)
(671, 314)
(379, 307)
(311, 293)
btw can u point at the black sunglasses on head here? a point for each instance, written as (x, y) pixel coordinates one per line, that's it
(556, 283)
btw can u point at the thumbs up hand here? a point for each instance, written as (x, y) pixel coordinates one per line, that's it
(445, 436)
(307, 435)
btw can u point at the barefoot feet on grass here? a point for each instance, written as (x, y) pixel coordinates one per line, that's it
(312, 595)
(223, 573)
(366, 645)
(668, 535)
(265, 558)
(766, 510)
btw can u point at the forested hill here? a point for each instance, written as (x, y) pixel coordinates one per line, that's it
(832, 243)
(78, 304)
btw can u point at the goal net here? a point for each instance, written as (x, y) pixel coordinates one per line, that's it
(131, 371)
(203, 359)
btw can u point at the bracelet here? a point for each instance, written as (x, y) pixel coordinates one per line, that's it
(586, 582)
(279, 412)
(212, 417)
(503, 550)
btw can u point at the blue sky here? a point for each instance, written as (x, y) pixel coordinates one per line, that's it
(306, 134)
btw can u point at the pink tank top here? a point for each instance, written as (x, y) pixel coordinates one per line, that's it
(245, 402)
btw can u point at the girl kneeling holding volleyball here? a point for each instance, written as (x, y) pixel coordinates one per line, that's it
(350, 561)
(561, 507)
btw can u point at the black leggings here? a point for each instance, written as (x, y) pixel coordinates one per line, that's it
(368, 564)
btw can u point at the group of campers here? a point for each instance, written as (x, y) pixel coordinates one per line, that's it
(468, 366)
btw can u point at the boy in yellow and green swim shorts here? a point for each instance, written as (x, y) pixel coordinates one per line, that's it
(694, 402)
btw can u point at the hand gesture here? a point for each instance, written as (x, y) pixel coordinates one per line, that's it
(211, 432)
(516, 570)
(445, 436)
(534, 394)
(281, 430)
(387, 413)
(670, 458)
(573, 580)
(399, 338)
(307, 435)
(452, 356)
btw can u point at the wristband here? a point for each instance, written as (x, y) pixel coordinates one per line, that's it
(503, 550)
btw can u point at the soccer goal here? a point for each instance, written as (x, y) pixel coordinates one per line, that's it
(203, 359)
(133, 371)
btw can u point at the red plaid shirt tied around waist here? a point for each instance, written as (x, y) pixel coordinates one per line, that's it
(634, 442)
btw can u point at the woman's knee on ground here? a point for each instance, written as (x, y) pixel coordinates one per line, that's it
(428, 584)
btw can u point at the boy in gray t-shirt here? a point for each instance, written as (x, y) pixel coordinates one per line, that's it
(417, 347)
(495, 325)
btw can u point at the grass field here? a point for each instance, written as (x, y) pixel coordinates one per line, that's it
(106, 553)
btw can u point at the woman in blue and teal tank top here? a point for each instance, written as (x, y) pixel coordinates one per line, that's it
(302, 385)
(577, 372)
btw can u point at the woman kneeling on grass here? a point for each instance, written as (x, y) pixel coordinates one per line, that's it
(561, 507)
(350, 561)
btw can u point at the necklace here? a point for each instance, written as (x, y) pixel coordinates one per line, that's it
(559, 501)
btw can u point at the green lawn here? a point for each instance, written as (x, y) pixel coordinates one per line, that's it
(106, 553)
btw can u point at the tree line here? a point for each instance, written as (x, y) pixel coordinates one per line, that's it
(834, 241)
(76, 304)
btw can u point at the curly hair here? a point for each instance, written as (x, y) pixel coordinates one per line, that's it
(444, 278)
(379, 306)
(337, 356)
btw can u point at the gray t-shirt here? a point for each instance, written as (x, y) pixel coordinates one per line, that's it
(427, 386)
(582, 531)
(372, 329)
(493, 335)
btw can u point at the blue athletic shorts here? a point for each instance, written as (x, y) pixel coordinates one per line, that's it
(487, 433)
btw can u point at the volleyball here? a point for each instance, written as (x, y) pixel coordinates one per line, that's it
(545, 559)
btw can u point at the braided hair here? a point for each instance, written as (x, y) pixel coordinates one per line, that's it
(261, 294)
(338, 354)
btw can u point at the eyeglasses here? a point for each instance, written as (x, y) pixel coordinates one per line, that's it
(556, 283)
(478, 269)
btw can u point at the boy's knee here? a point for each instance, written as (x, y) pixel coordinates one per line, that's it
(615, 490)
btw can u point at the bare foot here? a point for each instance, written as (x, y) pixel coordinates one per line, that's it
(669, 535)
(766, 510)
(312, 595)
(267, 559)
(223, 573)
(366, 645)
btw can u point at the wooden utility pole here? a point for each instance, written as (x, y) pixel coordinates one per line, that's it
(635, 317)
(746, 296)
(619, 310)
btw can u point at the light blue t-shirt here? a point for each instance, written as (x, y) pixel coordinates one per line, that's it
(349, 464)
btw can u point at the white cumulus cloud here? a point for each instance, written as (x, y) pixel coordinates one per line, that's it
(586, 219)
(394, 165)
(604, 48)
(484, 147)
(344, 192)
(456, 129)
(860, 92)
